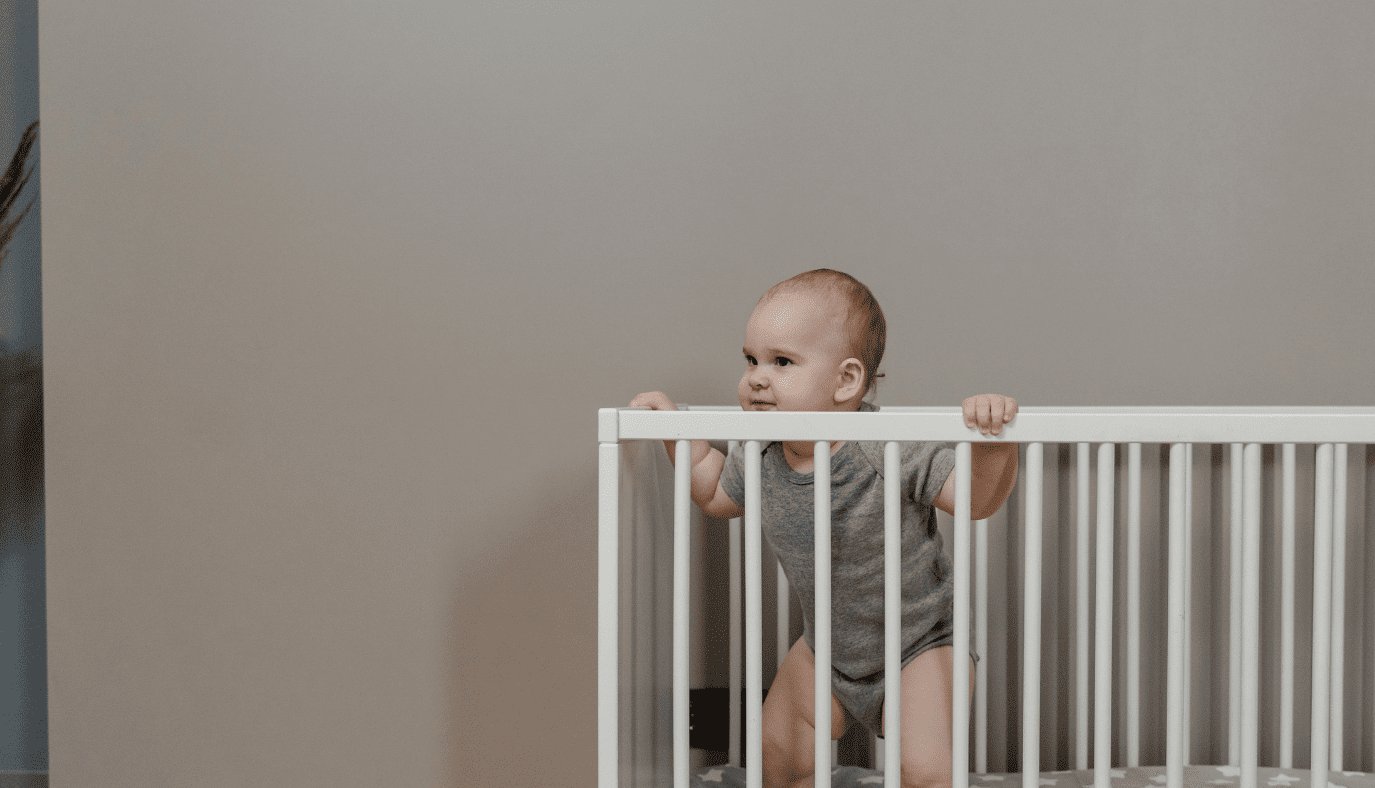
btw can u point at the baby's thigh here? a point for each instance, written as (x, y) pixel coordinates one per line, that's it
(927, 686)
(789, 713)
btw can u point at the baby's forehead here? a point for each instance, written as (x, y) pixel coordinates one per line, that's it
(815, 318)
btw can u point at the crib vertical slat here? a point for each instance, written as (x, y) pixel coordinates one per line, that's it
(733, 749)
(682, 566)
(1102, 689)
(1133, 604)
(892, 615)
(608, 614)
(1234, 614)
(1287, 584)
(1250, 621)
(959, 760)
(981, 646)
(1338, 601)
(821, 618)
(1031, 620)
(754, 621)
(1322, 612)
(1081, 609)
(1174, 730)
(1188, 595)
(782, 597)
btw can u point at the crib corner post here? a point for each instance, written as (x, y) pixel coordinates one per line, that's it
(608, 425)
(608, 600)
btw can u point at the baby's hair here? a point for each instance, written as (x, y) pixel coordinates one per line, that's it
(865, 327)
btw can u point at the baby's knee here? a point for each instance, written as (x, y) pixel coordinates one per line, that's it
(926, 772)
(783, 756)
(783, 744)
(776, 744)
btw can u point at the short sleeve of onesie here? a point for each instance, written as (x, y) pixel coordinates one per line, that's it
(928, 464)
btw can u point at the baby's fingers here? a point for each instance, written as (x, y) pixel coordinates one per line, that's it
(976, 413)
(995, 414)
(654, 400)
(971, 412)
(989, 412)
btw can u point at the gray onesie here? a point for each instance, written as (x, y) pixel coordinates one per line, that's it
(787, 509)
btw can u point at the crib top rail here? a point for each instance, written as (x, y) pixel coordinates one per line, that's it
(1205, 424)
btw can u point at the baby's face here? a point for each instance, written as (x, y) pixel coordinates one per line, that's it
(794, 346)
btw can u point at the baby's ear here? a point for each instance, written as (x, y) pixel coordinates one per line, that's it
(851, 379)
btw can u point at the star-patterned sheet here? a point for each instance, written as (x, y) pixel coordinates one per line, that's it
(1136, 777)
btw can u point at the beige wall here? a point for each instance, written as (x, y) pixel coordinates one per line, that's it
(331, 297)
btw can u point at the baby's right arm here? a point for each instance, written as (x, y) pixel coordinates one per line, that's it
(706, 464)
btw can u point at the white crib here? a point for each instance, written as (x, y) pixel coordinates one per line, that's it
(1244, 429)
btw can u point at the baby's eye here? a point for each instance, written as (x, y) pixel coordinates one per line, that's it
(749, 359)
(783, 362)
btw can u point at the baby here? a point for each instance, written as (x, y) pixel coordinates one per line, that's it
(814, 343)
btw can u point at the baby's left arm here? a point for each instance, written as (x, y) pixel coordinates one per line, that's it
(994, 464)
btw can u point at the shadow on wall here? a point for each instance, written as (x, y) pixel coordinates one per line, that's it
(524, 641)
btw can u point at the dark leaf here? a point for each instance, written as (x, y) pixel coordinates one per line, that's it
(12, 182)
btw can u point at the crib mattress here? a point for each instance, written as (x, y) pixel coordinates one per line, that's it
(1135, 777)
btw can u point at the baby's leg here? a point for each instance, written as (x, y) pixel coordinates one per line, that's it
(927, 683)
(789, 721)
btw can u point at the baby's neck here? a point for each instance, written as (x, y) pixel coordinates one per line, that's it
(800, 454)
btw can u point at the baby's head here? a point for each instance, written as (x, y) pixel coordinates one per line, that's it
(813, 342)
